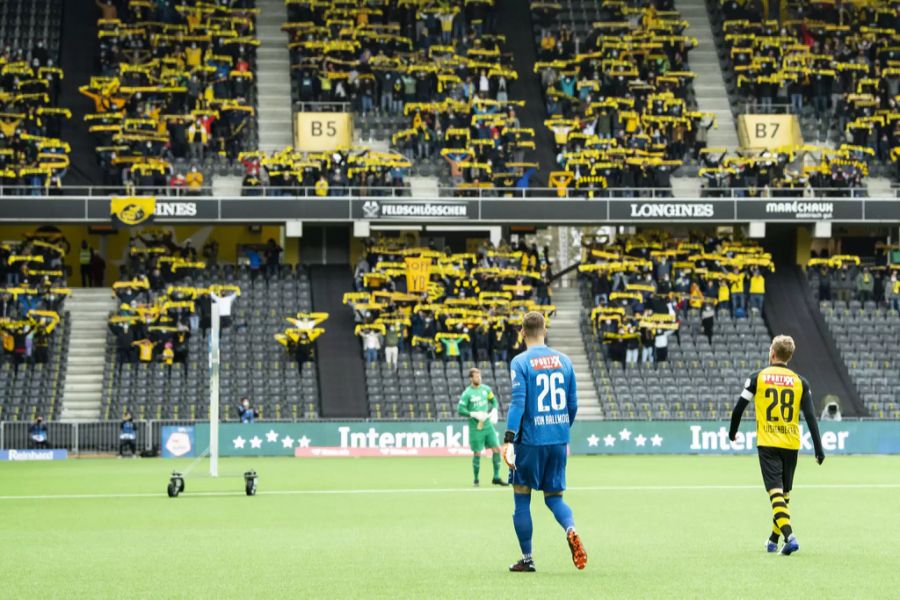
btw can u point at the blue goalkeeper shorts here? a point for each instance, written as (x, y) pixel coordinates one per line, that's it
(541, 467)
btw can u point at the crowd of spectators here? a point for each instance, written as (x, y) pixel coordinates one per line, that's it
(32, 296)
(176, 84)
(843, 278)
(643, 286)
(804, 171)
(470, 309)
(362, 172)
(157, 307)
(834, 63)
(619, 100)
(299, 340)
(439, 65)
(33, 157)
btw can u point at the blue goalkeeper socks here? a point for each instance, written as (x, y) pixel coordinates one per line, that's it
(522, 522)
(561, 511)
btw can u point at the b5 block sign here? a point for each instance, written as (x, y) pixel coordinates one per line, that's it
(322, 131)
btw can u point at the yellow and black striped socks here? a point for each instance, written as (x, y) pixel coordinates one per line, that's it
(781, 516)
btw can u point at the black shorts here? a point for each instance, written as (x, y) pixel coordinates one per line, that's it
(777, 465)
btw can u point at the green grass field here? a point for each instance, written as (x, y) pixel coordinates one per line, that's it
(673, 527)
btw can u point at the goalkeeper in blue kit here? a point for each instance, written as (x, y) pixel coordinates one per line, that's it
(535, 446)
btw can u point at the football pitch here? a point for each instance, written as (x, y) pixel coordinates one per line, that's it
(654, 527)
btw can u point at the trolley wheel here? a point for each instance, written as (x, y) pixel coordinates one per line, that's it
(172, 490)
(180, 485)
(250, 487)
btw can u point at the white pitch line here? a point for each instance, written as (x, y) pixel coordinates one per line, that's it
(596, 488)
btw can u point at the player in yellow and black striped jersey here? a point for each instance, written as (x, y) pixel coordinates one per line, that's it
(779, 395)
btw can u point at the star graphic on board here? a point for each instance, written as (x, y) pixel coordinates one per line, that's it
(239, 442)
(304, 442)
(609, 440)
(625, 434)
(287, 441)
(593, 440)
(656, 440)
(640, 440)
(271, 436)
(256, 442)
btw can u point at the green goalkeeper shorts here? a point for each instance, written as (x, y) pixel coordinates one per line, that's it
(486, 438)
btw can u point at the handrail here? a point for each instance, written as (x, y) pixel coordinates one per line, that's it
(442, 192)
(565, 271)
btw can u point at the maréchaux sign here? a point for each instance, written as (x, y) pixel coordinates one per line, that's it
(797, 209)
(392, 209)
(671, 210)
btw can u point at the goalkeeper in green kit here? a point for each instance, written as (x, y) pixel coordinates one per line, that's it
(480, 405)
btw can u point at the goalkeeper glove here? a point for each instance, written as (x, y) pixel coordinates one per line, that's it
(508, 452)
(493, 416)
(509, 456)
(479, 415)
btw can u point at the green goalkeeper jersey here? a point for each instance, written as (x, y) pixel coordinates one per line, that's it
(476, 399)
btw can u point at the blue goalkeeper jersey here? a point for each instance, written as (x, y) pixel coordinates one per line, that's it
(544, 400)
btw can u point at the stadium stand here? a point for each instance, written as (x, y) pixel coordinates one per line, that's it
(33, 157)
(618, 94)
(431, 78)
(175, 97)
(358, 171)
(860, 306)
(31, 24)
(166, 297)
(656, 341)
(466, 317)
(786, 172)
(34, 328)
(833, 68)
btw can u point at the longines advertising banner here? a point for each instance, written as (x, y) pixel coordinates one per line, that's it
(667, 210)
(274, 209)
(451, 438)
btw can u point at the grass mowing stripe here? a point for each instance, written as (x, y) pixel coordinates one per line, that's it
(594, 488)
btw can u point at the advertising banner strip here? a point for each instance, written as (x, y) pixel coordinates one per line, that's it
(664, 210)
(451, 438)
(171, 209)
(799, 209)
(32, 455)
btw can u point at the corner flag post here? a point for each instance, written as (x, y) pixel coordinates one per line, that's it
(214, 391)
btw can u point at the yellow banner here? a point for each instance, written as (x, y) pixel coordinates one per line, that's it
(418, 274)
(132, 210)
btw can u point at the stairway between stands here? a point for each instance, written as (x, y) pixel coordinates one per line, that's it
(342, 385)
(513, 19)
(790, 310)
(88, 309)
(565, 336)
(78, 59)
(273, 77)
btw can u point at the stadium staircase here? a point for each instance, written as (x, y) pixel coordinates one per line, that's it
(78, 59)
(514, 21)
(273, 81)
(565, 336)
(88, 311)
(790, 309)
(342, 382)
(709, 85)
